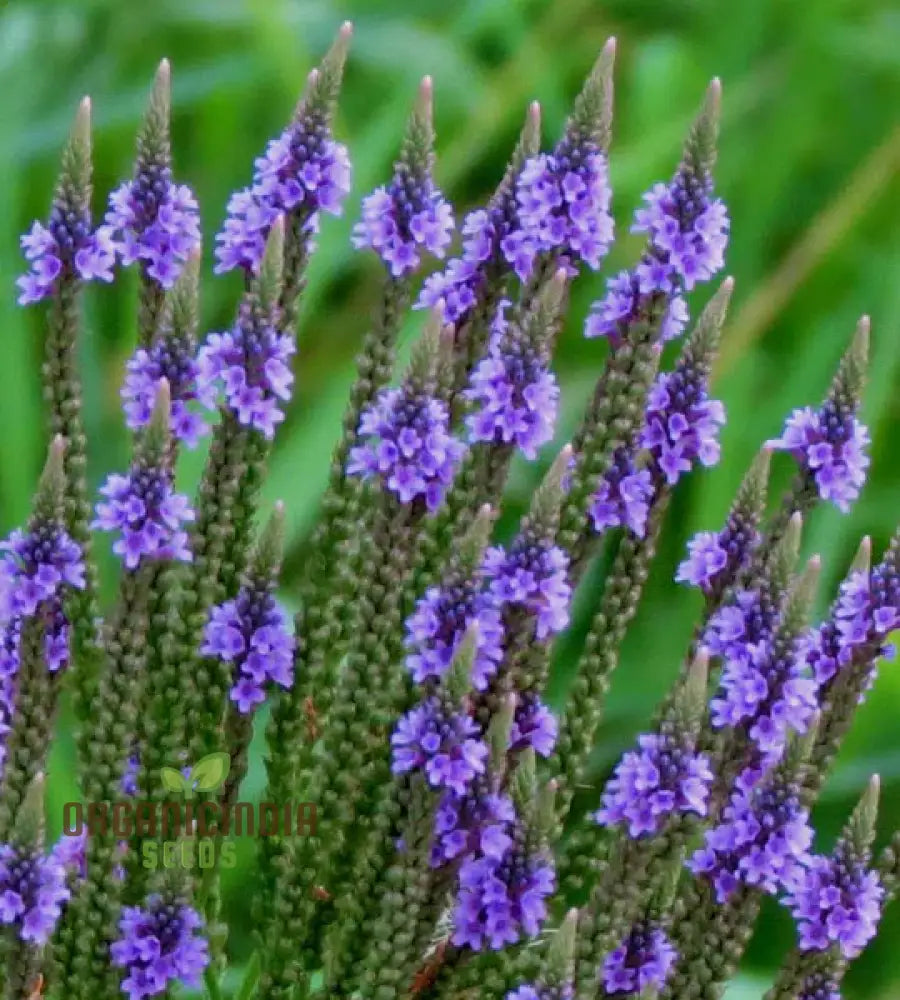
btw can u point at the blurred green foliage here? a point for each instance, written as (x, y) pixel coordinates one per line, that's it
(809, 162)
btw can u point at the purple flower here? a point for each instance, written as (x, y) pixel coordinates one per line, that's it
(682, 424)
(152, 220)
(500, 901)
(251, 633)
(303, 172)
(71, 853)
(534, 725)
(166, 359)
(9, 668)
(36, 565)
(559, 991)
(836, 901)
(717, 557)
(650, 785)
(456, 289)
(159, 943)
(641, 962)
(66, 247)
(624, 496)
(627, 301)
(831, 448)
(406, 442)
(398, 220)
(531, 576)
(438, 624)
(743, 629)
(149, 516)
(762, 840)
(446, 745)
(32, 891)
(251, 365)
(564, 201)
(480, 823)
(513, 392)
(688, 230)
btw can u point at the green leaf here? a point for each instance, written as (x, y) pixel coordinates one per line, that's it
(172, 780)
(210, 771)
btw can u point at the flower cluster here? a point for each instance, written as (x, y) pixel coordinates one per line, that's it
(443, 743)
(250, 632)
(650, 785)
(406, 442)
(32, 891)
(643, 961)
(717, 556)
(682, 424)
(478, 823)
(836, 901)
(623, 497)
(438, 624)
(762, 840)
(499, 900)
(175, 362)
(831, 447)
(66, 247)
(159, 943)
(819, 986)
(513, 392)
(303, 172)
(742, 629)
(398, 220)
(251, 364)
(148, 514)
(565, 991)
(564, 201)
(35, 566)
(687, 229)
(627, 301)
(531, 575)
(155, 221)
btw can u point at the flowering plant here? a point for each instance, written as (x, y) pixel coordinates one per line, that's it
(407, 698)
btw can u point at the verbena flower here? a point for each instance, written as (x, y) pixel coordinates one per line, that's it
(643, 961)
(742, 629)
(479, 823)
(304, 171)
(565, 991)
(155, 221)
(437, 626)
(713, 556)
(819, 986)
(35, 566)
(682, 424)
(250, 365)
(404, 218)
(251, 633)
(143, 508)
(32, 891)
(564, 199)
(623, 497)
(8, 673)
(534, 725)
(445, 745)
(513, 393)
(500, 901)
(651, 785)
(531, 575)
(66, 246)
(627, 299)
(407, 444)
(762, 840)
(174, 362)
(159, 943)
(71, 853)
(836, 901)
(831, 447)
(687, 229)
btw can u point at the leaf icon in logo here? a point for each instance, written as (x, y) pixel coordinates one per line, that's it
(173, 781)
(210, 771)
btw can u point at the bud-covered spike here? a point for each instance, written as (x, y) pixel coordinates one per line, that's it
(428, 352)
(184, 299)
(476, 538)
(690, 701)
(750, 500)
(324, 83)
(269, 550)
(28, 823)
(700, 147)
(153, 147)
(549, 495)
(860, 830)
(703, 343)
(499, 734)
(50, 498)
(591, 118)
(459, 677)
(545, 809)
(154, 445)
(523, 786)
(850, 378)
(801, 598)
(271, 271)
(559, 964)
(785, 553)
(74, 186)
(862, 561)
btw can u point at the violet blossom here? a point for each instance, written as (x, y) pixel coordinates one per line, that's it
(643, 961)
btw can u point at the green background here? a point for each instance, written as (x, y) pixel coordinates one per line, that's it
(809, 156)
